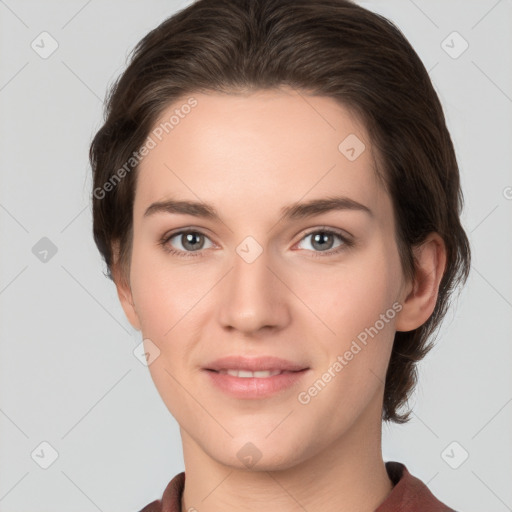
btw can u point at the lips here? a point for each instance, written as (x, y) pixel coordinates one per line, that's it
(254, 378)
(259, 367)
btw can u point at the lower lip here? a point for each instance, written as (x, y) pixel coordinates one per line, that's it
(254, 387)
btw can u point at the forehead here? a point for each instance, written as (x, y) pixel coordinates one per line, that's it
(272, 147)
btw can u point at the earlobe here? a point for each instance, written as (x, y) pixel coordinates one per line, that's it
(420, 299)
(125, 297)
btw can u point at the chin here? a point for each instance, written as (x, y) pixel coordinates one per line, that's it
(260, 453)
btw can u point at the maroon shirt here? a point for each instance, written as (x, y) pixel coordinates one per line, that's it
(409, 494)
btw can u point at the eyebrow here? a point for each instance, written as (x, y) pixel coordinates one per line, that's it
(290, 212)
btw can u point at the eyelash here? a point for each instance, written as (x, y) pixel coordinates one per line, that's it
(347, 243)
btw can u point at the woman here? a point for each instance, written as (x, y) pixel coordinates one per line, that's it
(277, 199)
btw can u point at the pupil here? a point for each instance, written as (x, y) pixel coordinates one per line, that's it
(320, 238)
(191, 238)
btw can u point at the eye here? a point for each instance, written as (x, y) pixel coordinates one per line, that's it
(322, 241)
(190, 242)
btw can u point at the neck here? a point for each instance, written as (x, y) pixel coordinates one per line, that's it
(346, 475)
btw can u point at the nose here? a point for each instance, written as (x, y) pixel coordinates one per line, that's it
(253, 296)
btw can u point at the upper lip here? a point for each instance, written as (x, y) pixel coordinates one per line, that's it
(254, 364)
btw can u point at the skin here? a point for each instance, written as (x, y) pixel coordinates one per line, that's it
(250, 155)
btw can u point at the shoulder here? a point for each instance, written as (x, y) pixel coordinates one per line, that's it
(154, 506)
(171, 498)
(409, 492)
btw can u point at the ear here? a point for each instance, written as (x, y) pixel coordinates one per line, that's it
(124, 292)
(420, 298)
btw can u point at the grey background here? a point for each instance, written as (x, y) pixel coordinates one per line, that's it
(68, 375)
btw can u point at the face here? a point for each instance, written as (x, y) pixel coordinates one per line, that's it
(264, 276)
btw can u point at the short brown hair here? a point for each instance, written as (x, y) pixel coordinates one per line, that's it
(333, 48)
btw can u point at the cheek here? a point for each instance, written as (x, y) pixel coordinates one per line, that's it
(351, 297)
(355, 304)
(163, 294)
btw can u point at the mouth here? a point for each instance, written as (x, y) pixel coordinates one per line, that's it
(243, 384)
(251, 378)
(257, 367)
(246, 374)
